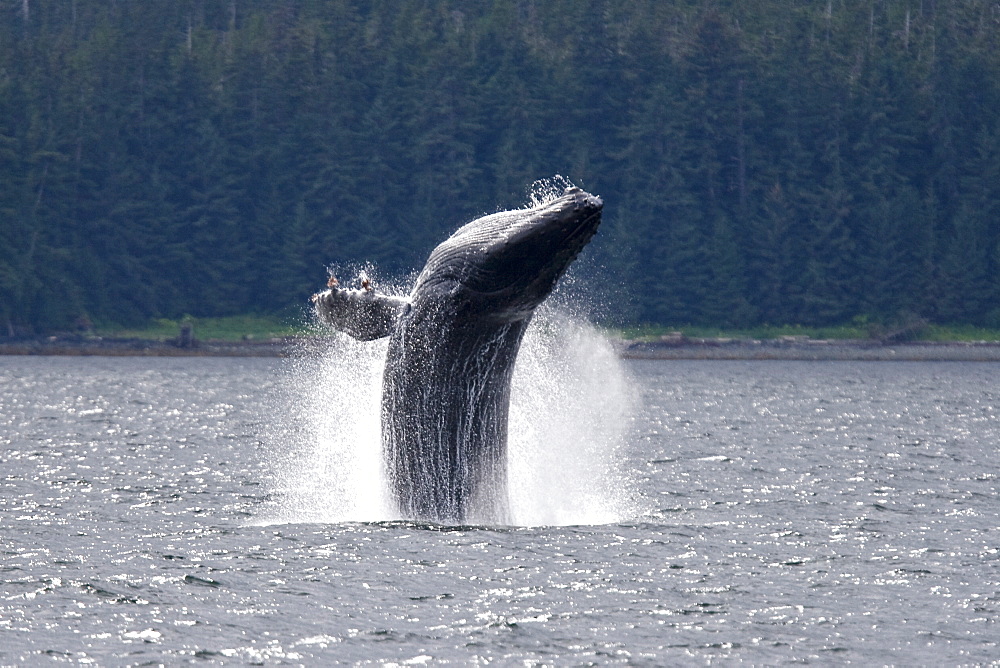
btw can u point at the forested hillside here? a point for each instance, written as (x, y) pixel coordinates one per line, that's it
(761, 161)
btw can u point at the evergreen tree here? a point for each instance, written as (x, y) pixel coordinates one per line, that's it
(760, 161)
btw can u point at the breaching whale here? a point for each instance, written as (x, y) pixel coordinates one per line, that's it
(452, 347)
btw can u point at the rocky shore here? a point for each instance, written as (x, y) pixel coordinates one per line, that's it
(671, 347)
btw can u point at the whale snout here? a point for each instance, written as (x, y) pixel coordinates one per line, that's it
(574, 214)
(579, 215)
(581, 200)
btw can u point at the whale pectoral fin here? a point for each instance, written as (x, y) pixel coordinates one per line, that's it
(363, 314)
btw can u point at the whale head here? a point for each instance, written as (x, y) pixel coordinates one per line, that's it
(504, 265)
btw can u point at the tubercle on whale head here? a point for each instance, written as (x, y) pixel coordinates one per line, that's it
(506, 264)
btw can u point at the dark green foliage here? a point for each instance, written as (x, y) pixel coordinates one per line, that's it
(761, 162)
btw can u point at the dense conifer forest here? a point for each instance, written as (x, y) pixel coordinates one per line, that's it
(761, 161)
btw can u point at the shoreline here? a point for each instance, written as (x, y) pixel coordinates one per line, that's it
(805, 349)
(666, 348)
(124, 347)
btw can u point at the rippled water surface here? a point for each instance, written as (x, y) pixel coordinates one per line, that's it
(781, 512)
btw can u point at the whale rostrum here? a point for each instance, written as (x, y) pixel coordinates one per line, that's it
(452, 348)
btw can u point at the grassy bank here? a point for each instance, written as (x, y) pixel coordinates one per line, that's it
(936, 333)
(232, 328)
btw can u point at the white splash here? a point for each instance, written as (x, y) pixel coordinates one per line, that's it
(570, 409)
(546, 190)
(324, 438)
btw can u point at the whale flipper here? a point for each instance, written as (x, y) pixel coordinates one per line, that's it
(363, 314)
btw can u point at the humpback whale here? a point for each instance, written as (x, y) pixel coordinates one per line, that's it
(452, 346)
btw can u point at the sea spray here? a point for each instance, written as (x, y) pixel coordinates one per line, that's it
(324, 435)
(570, 409)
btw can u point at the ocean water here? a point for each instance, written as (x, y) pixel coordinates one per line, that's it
(231, 511)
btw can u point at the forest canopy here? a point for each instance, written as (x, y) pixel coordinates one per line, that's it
(761, 161)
